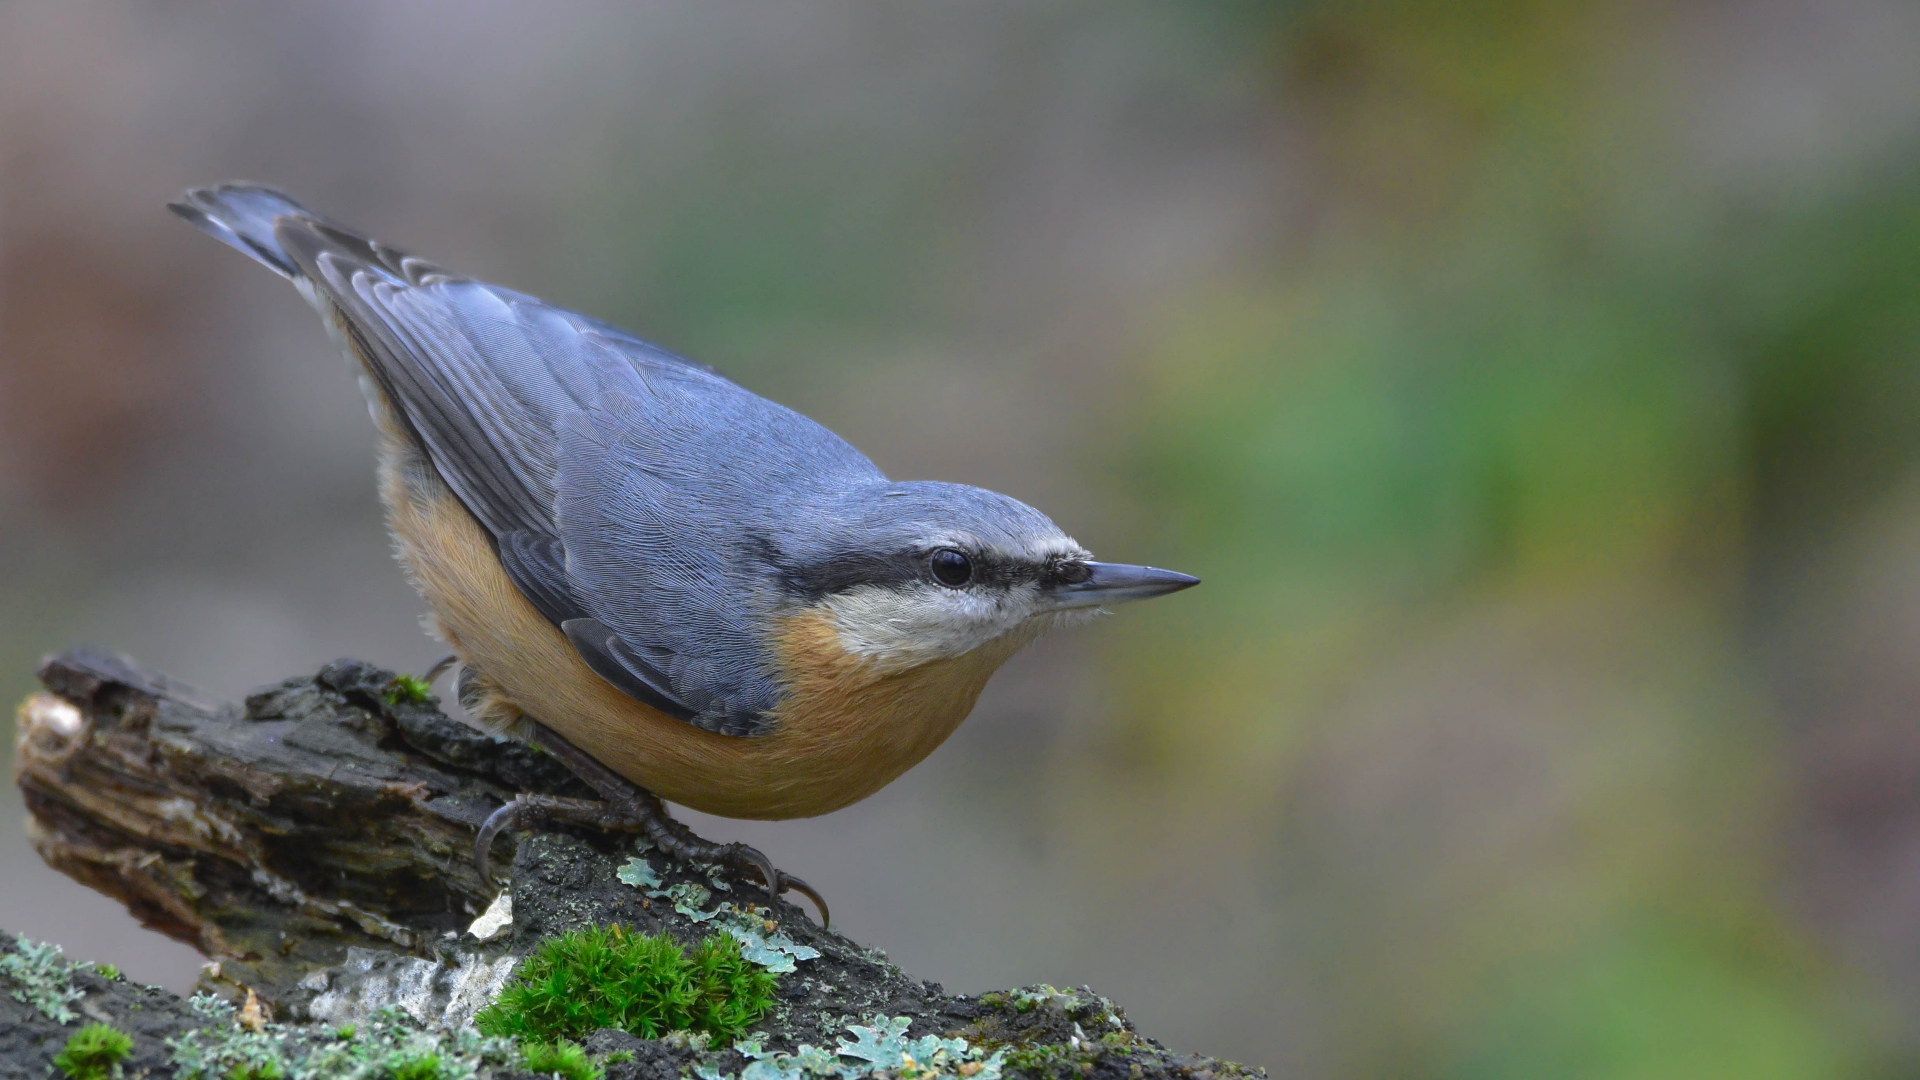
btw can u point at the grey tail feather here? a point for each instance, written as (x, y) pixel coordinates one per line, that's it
(242, 216)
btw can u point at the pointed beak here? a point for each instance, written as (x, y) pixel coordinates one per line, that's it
(1117, 583)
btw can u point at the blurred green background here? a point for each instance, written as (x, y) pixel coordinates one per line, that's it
(1536, 386)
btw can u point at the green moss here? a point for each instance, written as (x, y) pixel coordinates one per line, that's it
(731, 992)
(261, 1070)
(108, 972)
(648, 985)
(408, 689)
(93, 1051)
(1069, 1059)
(1056, 1034)
(618, 1057)
(424, 1067)
(565, 1059)
(1042, 1033)
(345, 1031)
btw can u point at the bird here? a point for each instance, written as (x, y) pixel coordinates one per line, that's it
(680, 589)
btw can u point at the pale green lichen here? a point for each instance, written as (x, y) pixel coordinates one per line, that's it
(640, 874)
(221, 1054)
(1027, 999)
(761, 942)
(210, 1006)
(389, 1045)
(43, 978)
(687, 898)
(771, 949)
(716, 876)
(682, 1039)
(1062, 1034)
(879, 1048)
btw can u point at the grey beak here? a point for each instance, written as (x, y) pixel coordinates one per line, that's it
(1117, 583)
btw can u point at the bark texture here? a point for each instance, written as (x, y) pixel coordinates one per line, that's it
(315, 843)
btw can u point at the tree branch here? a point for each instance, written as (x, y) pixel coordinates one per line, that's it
(316, 843)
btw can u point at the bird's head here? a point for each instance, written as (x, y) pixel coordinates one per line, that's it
(920, 571)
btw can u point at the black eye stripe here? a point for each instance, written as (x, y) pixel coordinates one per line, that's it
(1067, 572)
(816, 580)
(846, 572)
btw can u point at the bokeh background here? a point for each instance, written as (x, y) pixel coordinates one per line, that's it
(1536, 386)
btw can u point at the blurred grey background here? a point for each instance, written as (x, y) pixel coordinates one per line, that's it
(1534, 385)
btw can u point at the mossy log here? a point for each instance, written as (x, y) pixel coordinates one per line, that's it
(315, 844)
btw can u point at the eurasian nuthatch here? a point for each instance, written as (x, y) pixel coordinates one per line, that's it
(713, 596)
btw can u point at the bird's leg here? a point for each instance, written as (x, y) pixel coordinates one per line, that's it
(525, 811)
(627, 806)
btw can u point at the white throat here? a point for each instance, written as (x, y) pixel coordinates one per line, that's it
(902, 627)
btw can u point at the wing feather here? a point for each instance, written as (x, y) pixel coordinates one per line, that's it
(630, 493)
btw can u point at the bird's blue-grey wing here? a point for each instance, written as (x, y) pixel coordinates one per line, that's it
(481, 379)
(670, 502)
(620, 483)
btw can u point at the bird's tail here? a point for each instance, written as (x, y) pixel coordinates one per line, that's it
(242, 216)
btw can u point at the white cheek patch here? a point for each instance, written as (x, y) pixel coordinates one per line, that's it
(904, 627)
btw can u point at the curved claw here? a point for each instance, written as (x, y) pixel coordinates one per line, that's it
(777, 880)
(741, 853)
(496, 822)
(439, 668)
(788, 881)
(626, 806)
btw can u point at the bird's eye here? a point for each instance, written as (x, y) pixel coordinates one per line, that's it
(951, 568)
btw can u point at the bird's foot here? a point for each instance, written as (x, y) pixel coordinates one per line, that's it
(530, 811)
(680, 842)
(630, 808)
